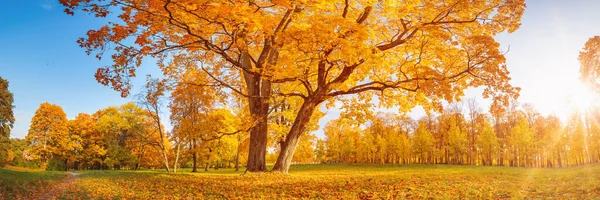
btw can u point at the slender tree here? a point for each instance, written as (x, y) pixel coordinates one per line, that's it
(7, 120)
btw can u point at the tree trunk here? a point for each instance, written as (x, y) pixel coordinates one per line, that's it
(194, 162)
(237, 160)
(501, 159)
(258, 105)
(165, 158)
(176, 158)
(208, 160)
(194, 156)
(559, 160)
(137, 165)
(291, 141)
(258, 148)
(567, 158)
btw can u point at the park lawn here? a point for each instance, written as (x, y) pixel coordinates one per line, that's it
(340, 181)
(16, 182)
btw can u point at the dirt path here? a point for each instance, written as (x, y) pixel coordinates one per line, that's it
(74, 174)
(53, 191)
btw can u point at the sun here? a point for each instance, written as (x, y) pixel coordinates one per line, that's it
(583, 98)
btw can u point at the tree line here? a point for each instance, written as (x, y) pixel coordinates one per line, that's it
(122, 137)
(518, 136)
(126, 137)
(215, 133)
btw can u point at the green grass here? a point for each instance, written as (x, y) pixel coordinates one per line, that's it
(337, 181)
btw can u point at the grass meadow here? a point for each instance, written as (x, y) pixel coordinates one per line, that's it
(324, 181)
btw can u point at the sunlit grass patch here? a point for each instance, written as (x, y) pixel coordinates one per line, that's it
(22, 169)
(16, 182)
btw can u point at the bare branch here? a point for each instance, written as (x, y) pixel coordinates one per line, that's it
(365, 14)
(345, 8)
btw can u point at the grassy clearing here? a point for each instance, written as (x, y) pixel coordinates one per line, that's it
(338, 182)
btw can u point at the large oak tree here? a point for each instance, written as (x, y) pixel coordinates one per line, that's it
(407, 53)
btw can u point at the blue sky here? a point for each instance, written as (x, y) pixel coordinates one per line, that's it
(41, 60)
(43, 63)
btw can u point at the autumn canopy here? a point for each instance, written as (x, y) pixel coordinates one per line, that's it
(404, 53)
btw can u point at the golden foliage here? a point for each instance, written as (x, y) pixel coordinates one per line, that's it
(407, 53)
(589, 57)
(49, 133)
